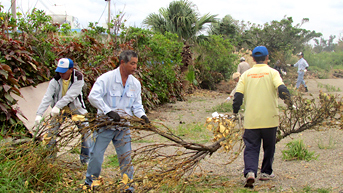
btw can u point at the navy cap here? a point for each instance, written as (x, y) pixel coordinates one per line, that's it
(64, 64)
(260, 51)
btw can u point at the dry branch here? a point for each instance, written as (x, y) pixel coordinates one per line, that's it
(167, 163)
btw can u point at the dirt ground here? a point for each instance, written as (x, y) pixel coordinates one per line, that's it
(325, 173)
(292, 176)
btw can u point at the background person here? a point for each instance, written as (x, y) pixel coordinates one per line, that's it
(65, 93)
(260, 86)
(302, 68)
(242, 66)
(116, 94)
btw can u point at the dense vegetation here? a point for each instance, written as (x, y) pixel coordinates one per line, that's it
(173, 57)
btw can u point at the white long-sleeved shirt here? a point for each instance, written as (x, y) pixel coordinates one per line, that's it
(301, 64)
(109, 94)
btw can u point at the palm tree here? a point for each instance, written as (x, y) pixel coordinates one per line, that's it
(181, 18)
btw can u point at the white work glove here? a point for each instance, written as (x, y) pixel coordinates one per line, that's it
(55, 111)
(305, 70)
(227, 99)
(288, 65)
(38, 119)
(283, 72)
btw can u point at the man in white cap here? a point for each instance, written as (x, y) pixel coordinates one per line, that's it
(64, 94)
(302, 68)
(243, 66)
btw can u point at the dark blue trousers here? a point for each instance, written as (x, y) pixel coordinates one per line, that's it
(252, 139)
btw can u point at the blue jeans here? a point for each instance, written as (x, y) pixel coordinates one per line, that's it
(121, 140)
(85, 144)
(300, 79)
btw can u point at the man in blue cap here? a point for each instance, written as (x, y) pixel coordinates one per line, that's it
(260, 87)
(64, 94)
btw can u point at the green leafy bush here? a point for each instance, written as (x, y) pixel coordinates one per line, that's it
(159, 65)
(214, 61)
(296, 150)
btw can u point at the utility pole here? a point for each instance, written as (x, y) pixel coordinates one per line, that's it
(14, 11)
(109, 19)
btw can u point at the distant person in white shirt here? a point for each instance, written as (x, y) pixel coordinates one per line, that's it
(302, 68)
(243, 66)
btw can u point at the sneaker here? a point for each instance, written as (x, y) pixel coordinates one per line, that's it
(250, 177)
(265, 176)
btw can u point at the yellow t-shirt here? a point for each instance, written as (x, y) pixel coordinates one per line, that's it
(259, 87)
(65, 86)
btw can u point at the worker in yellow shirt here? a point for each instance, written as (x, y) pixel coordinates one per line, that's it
(260, 87)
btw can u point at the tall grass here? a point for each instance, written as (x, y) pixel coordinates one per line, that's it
(324, 61)
(29, 167)
(296, 150)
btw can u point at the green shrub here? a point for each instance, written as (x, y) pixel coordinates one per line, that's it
(296, 150)
(214, 61)
(159, 64)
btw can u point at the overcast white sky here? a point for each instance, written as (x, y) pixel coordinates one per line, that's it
(325, 16)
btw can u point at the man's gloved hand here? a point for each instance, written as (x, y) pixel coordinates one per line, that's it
(55, 111)
(145, 119)
(292, 107)
(283, 72)
(38, 119)
(234, 116)
(305, 70)
(114, 115)
(227, 99)
(288, 65)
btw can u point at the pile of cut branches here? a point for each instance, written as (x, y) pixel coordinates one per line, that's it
(167, 163)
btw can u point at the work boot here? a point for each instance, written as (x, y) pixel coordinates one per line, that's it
(306, 89)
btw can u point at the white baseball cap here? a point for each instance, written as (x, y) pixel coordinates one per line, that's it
(64, 64)
(300, 54)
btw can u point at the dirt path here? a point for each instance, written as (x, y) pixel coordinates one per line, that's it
(292, 176)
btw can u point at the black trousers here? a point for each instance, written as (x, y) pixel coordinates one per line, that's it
(252, 139)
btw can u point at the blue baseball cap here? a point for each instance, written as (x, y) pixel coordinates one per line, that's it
(64, 64)
(260, 51)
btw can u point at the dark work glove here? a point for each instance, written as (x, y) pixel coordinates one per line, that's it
(114, 115)
(145, 119)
